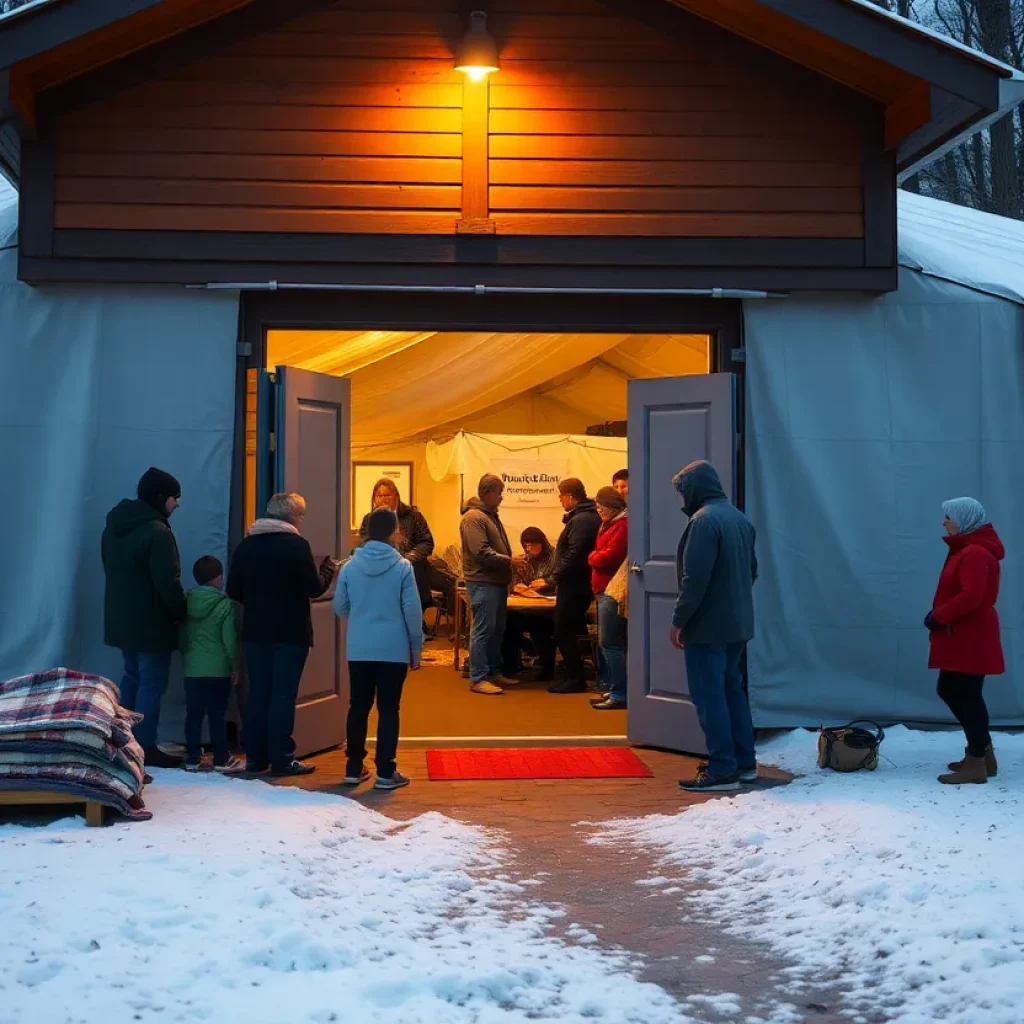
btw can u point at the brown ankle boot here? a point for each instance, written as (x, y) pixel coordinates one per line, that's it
(991, 765)
(971, 770)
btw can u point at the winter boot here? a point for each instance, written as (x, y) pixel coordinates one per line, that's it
(971, 770)
(991, 765)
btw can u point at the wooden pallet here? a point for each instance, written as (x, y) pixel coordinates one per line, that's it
(94, 811)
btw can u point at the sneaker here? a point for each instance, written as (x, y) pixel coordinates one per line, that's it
(156, 758)
(504, 680)
(608, 705)
(357, 776)
(191, 766)
(396, 781)
(486, 687)
(746, 775)
(569, 686)
(147, 779)
(234, 766)
(293, 768)
(705, 782)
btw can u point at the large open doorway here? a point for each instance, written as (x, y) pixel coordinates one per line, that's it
(433, 409)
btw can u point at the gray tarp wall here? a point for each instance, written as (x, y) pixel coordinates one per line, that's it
(99, 383)
(863, 415)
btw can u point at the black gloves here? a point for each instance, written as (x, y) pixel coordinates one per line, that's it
(930, 624)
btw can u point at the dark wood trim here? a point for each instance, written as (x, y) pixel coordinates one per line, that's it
(10, 152)
(903, 47)
(880, 215)
(582, 314)
(502, 250)
(163, 57)
(36, 198)
(912, 111)
(951, 116)
(825, 277)
(35, 32)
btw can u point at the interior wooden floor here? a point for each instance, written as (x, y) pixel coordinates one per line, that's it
(437, 704)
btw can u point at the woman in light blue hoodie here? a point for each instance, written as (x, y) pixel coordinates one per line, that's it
(377, 594)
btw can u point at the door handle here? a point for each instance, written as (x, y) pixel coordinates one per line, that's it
(636, 569)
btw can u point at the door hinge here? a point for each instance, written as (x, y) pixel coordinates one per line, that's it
(273, 442)
(243, 349)
(738, 355)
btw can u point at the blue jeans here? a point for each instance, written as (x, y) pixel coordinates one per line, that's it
(489, 603)
(611, 637)
(206, 697)
(146, 677)
(275, 671)
(716, 688)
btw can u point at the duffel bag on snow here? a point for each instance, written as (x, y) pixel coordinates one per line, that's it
(848, 748)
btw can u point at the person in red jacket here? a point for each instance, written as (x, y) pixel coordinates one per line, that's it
(608, 555)
(964, 628)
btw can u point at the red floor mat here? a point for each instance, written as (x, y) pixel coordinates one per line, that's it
(536, 763)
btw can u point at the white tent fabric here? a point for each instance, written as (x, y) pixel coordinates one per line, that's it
(863, 415)
(979, 250)
(591, 459)
(98, 385)
(419, 385)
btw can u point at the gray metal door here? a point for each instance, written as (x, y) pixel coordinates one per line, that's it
(672, 421)
(310, 454)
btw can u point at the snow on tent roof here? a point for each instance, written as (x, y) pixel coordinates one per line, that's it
(978, 250)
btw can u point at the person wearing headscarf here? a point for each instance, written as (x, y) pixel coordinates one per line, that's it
(533, 574)
(605, 560)
(413, 539)
(964, 632)
(144, 601)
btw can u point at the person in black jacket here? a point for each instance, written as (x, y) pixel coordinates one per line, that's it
(273, 577)
(571, 576)
(414, 541)
(144, 601)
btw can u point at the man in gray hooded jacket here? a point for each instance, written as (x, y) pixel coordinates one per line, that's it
(712, 623)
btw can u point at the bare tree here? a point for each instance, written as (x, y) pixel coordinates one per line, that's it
(988, 171)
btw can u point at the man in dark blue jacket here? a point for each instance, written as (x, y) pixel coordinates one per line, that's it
(712, 623)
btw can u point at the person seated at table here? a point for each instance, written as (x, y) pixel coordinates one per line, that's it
(413, 540)
(529, 580)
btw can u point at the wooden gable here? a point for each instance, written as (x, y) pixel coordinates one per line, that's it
(666, 141)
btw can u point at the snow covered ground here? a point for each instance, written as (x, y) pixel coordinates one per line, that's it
(908, 893)
(244, 902)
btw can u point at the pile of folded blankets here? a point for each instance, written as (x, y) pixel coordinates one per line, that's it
(65, 731)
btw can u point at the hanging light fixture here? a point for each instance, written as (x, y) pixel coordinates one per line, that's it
(477, 55)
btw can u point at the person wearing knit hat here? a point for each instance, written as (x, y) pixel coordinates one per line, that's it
(605, 561)
(963, 626)
(144, 602)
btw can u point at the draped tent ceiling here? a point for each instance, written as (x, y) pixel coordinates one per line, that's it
(410, 385)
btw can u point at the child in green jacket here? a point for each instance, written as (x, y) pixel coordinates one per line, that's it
(209, 650)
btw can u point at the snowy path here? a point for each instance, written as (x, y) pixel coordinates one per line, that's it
(908, 894)
(241, 901)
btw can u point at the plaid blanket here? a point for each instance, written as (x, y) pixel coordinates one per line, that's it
(66, 730)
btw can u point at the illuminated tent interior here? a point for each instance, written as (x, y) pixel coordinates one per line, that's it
(410, 388)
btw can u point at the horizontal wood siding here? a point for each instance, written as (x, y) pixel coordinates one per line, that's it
(349, 121)
(602, 124)
(334, 123)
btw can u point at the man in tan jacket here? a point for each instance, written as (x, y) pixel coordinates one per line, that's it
(487, 565)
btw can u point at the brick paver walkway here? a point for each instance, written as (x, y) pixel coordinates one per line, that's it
(597, 885)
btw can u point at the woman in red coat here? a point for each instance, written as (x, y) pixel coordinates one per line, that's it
(608, 555)
(964, 627)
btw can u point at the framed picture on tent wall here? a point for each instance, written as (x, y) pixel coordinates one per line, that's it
(364, 479)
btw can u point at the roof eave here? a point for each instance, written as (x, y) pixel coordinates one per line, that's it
(933, 142)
